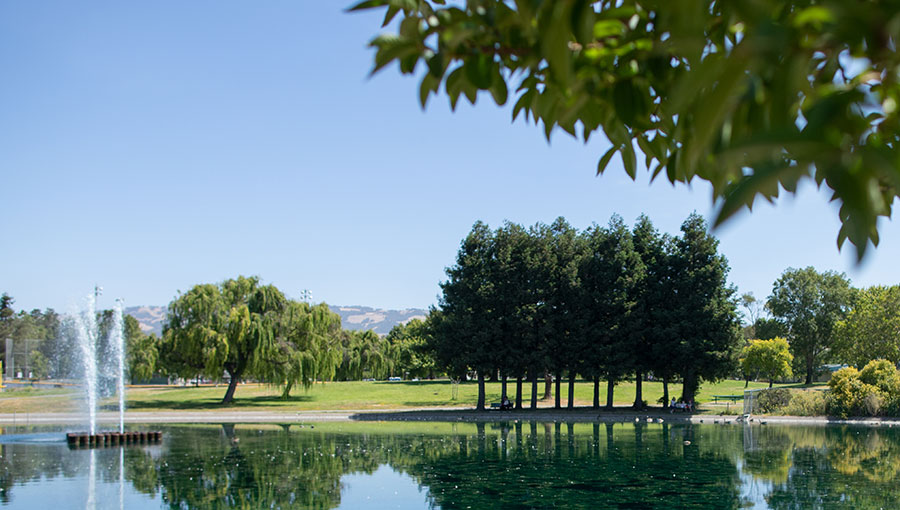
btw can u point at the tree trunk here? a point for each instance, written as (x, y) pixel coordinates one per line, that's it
(480, 405)
(548, 386)
(519, 391)
(665, 392)
(534, 389)
(610, 384)
(286, 394)
(503, 387)
(638, 390)
(689, 388)
(809, 370)
(596, 392)
(557, 403)
(571, 395)
(232, 385)
(771, 382)
(494, 377)
(746, 382)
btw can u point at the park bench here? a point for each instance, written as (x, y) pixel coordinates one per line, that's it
(730, 398)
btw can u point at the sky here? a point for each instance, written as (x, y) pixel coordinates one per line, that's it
(150, 146)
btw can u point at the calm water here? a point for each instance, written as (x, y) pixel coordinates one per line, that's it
(458, 466)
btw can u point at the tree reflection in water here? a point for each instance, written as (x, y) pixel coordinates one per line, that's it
(506, 465)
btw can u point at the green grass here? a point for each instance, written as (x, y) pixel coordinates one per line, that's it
(351, 395)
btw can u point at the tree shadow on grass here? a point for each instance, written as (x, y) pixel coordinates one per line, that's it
(211, 404)
(438, 403)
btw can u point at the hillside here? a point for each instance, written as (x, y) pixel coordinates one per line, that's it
(379, 320)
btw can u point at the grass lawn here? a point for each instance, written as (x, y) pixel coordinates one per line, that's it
(349, 395)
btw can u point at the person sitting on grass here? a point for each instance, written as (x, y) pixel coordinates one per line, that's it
(505, 403)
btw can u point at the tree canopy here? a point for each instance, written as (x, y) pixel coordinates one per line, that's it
(750, 96)
(872, 327)
(808, 305)
(770, 359)
(227, 327)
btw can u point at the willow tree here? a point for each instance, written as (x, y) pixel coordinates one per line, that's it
(306, 347)
(213, 329)
(364, 354)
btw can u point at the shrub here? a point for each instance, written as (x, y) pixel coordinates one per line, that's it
(872, 403)
(770, 401)
(851, 395)
(806, 403)
(882, 374)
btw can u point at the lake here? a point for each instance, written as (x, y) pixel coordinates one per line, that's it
(416, 465)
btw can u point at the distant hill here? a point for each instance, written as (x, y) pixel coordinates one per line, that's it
(376, 319)
(379, 320)
(149, 317)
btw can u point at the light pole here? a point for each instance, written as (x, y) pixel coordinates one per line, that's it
(306, 295)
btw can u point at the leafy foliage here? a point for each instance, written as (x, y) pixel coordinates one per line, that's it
(872, 327)
(409, 350)
(227, 327)
(772, 400)
(808, 304)
(770, 359)
(872, 391)
(752, 97)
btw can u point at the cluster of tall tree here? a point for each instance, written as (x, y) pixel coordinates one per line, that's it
(606, 303)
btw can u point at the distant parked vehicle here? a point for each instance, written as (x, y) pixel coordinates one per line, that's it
(394, 379)
(369, 379)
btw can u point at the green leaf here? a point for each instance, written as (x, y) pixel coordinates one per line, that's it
(498, 87)
(604, 161)
(390, 48)
(453, 85)
(815, 16)
(647, 149)
(479, 70)
(629, 102)
(608, 27)
(436, 65)
(429, 85)
(368, 4)
(582, 19)
(556, 44)
(389, 15)
(742, 193)
(524, 102)
(629, 160)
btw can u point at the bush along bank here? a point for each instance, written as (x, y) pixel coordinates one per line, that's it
(870, 392)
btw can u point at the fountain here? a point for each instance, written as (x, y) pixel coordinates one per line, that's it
(103, 361)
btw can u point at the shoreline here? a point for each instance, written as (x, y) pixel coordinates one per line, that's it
(432, 414)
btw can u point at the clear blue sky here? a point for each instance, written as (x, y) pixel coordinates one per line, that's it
(150, 146)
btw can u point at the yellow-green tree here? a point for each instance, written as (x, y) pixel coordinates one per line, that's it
(770, 359)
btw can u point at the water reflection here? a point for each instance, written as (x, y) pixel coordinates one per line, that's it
(450, 466)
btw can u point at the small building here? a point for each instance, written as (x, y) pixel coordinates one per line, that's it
(824, 372)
